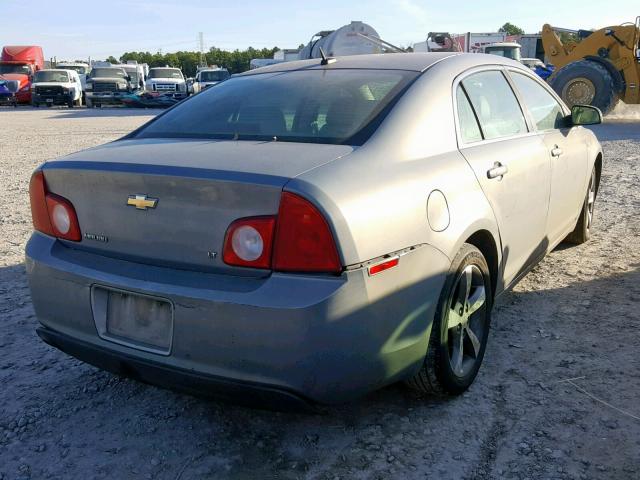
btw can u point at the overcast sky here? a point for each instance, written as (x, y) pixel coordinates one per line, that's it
(77, 29)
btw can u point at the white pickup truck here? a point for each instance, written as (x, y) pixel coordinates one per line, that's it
(56, 87)
(167, 80)
(206, 77)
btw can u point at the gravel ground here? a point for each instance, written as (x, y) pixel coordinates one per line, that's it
(557, 397)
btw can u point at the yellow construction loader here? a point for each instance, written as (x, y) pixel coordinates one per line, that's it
(599, 69)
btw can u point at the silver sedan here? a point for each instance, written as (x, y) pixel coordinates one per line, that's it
(307, 232)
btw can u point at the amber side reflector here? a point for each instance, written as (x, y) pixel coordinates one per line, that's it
(382, 266)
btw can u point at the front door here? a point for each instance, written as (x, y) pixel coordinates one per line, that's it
(566, 153)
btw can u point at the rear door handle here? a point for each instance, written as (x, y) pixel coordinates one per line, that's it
(556, 151)
(498, 171)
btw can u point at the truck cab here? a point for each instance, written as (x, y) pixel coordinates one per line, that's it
(82, 69)
(19, 63)
(206, 77)
(107, 86)
(504, 49)
(56, 87)
(137, 77)
(167, 80)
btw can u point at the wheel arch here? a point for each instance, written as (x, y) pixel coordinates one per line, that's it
(483, 240)
(598, 165)
(618, 80)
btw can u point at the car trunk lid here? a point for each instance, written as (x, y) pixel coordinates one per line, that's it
(169, 202)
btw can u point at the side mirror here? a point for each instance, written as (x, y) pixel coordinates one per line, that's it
(585, 115)
(128, 77)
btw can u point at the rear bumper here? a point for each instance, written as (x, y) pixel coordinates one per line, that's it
(320, 338)
(188, 381)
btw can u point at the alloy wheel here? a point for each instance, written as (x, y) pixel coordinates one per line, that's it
(466, 321)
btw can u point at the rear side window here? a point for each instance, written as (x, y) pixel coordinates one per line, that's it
(546, 111)
(495, 105)
(469, 129)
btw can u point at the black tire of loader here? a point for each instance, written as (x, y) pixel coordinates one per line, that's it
(606, 96)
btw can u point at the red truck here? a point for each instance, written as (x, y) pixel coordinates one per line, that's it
(19, 63)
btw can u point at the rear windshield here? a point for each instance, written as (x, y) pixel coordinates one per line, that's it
(165, 73)
(315, 106)
(51, 76)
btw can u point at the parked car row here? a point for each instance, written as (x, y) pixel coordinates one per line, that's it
(71, 84)
(23, 79)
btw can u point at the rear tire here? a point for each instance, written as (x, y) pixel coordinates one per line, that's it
(586, 82)
(460, 327)
(582, 232)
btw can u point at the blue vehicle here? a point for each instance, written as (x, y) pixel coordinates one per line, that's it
(541, 69)
(8, 90)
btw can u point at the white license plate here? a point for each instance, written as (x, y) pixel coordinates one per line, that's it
(49, 100)
(139, 319)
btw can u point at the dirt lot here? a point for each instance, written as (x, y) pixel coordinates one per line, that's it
(576, 316)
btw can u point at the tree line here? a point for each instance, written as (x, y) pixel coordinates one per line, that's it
(235, 61)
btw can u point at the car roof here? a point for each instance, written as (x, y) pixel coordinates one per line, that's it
(417, 62)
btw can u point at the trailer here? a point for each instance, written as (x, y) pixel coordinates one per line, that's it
(356, 38)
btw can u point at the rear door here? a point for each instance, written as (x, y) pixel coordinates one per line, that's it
(511, 164)
(566, 150)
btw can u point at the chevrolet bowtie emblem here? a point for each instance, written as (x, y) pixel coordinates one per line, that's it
(142, 202)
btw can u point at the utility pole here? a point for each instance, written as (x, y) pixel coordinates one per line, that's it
(203, 63)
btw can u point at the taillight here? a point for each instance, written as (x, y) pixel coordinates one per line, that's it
(303, 242)
(63, 218)
(38, 197)
(297, 240)
(248, 242)
(52, 214)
